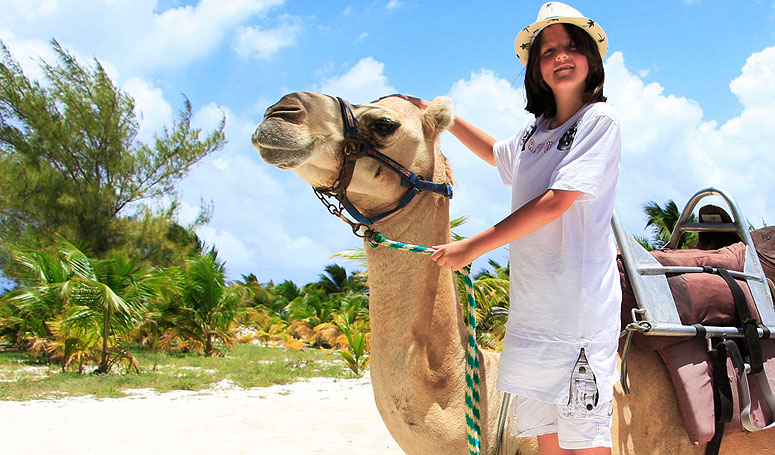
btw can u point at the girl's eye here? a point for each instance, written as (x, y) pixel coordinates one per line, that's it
(385, 126)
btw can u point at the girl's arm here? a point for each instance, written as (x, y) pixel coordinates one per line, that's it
(472, 137)
(475, 139)
(535, 214)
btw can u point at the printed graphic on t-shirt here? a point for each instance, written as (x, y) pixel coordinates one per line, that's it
(567, 139)
(542, 147)
(528, 133)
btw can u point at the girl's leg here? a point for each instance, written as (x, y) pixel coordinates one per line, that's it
(593, 451)
(549, 445)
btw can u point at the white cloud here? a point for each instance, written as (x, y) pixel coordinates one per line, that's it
(31, 10)
(28, 53)
(260, 43)
(756, 85)
(132, 35)
(209, 117)
(153, 111)
(265, 221)
(364, 82)
(393, 4)
(670, 153)
(180, 35)
(187, 213)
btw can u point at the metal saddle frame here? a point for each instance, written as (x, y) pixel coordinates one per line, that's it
(657, 311)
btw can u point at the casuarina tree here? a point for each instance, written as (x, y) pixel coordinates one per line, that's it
(70, 158)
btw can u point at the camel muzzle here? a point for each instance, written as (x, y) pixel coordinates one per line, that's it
(289, 109)
(280, 142)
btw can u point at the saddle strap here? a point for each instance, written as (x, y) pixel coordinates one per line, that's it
(752, 343)
(723, 403)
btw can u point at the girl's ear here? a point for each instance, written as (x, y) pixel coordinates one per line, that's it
(438, 116)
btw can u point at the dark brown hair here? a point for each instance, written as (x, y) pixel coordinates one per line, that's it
(540, 99)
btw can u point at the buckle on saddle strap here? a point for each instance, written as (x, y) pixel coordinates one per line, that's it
(725, 349)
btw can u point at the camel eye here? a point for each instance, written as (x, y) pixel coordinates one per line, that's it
(385, 126)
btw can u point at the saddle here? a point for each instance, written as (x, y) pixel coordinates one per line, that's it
(706, 371)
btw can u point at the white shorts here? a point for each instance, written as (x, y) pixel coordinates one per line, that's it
(575, 428)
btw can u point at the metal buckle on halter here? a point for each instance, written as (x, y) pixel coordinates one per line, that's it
(322, 194)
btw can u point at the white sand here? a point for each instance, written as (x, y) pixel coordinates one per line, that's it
(322, 416)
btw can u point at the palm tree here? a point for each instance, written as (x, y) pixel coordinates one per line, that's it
(261, 296)
(121, 288)
(491, 290)
(25, 311)
(336, 281)
(86, 299)
(206, 309)
(662, 221)
(284, 293)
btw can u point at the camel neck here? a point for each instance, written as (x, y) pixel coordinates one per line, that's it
(413, 304)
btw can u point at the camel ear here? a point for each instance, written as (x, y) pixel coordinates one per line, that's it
(438, 116)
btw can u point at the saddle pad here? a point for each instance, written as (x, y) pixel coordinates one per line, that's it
(690, 371)
(700, 298)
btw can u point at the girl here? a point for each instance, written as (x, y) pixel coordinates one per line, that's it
(559, 351)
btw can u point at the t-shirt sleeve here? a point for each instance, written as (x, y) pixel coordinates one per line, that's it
(506, 154)
(592, 159)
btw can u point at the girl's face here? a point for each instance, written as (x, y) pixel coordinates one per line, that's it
(563, 67)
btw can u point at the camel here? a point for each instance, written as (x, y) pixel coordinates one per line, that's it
(418, 335)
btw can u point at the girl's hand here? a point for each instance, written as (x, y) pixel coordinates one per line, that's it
(419, 102)
(455, 255)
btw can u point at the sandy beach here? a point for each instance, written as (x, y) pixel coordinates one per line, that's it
(320, 416)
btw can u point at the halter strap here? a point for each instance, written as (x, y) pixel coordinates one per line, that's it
(353, 149)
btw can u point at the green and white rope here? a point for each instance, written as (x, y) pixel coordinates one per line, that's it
(472, 397)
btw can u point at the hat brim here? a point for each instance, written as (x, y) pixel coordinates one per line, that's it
(525, 38)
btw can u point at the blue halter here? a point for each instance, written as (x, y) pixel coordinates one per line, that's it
(352, 150)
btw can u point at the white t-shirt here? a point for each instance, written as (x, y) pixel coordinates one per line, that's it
(565, 291)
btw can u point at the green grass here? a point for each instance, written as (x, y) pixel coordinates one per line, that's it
(24, 378)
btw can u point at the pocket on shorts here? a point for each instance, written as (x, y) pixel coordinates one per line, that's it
(583, 393)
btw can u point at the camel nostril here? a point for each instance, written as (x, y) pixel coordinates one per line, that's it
(288, 110)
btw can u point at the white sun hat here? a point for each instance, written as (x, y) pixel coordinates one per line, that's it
(558, 13)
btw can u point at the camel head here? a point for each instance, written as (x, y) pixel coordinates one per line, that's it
(305, 132)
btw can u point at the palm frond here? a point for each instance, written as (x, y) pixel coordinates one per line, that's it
(78, 262)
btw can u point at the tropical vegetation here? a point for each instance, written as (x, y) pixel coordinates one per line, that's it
(103, 283)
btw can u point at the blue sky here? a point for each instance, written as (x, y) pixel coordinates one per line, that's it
(694, 82)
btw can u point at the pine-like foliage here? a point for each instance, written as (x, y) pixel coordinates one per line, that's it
(70, 160)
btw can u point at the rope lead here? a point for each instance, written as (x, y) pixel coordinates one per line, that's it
(472, 397)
